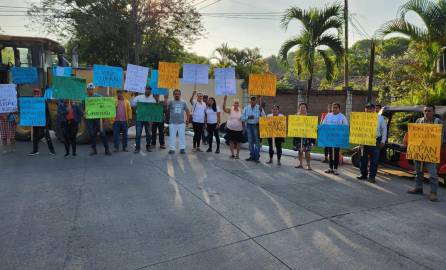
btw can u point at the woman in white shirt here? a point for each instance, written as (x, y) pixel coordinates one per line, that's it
(198, 115)
(212, 123)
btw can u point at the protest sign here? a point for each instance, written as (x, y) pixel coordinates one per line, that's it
(24, 75)
(136, 78)
(262, 84)
(154, 84)
(225, 82)
(8, 98)
(62, 71)
(302, 126)
(195, 74)
(273, 127)
(32, 111)
(333, 136)
(168, 75)
(149, 112)
(100, 107)
(68, 88)
(424, 142)
(107, 76)
(363, 128)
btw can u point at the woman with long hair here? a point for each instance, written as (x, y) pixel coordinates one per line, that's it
(212, 123)
(277, 141)
(303, 145)
(234, 127)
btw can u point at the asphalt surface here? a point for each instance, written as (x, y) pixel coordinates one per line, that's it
(205, 211)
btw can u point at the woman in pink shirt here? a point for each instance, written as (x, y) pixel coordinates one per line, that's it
(234, 126)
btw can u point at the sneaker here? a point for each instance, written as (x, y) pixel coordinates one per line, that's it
(107, 153)
(93, 153)
(163, 146)
(53, 152)
(198, 149)
(148, 149)
(137, 150)
(335, 172)
(249, 159)
(217, 151)
(269, 162)
(74, 154)
(418, 191)
(116, 150)
(171, 152)
(329, 171)
(124, 150)
(372, 180)
(433, 197)
(33, 154)
(361, 177)
(182, 151)
(325, 161)
(209, 150)
(66, 154)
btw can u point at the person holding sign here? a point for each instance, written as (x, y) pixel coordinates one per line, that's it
(324, 114)
(120, 125)
(69, 116)
(277, 141)
(198, 115)
(303, 145)
(177, 108)
(145, 98)
(234, 126)
(420, 166)
(334, 118)
(159, 127)
(8, 109)
(373, 151)
(212, 123)
(250, 116)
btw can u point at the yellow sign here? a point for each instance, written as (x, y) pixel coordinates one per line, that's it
(262, 85)
(363, 128)
(424, 142)
(273, 127)
(169, 75)
(302, 126)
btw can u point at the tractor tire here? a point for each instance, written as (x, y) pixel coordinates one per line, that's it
(23, 133)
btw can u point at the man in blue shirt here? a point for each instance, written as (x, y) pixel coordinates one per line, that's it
(250, 116)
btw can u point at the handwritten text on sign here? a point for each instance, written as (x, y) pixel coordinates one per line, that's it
(273, 127)
(363, 127)
(424, 142)
(107, 76)
(32, 112)
(302, 126)
(149, 112)
(195, 74)
(100, 107)
(169, 75)
(8, 98)
(333, 136)
(136, 78)
(262, 85)
(24, 75)
(225, 82)
(154, 84)
(68, 88)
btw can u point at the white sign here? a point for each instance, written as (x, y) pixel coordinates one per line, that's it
(136, 78)
(8, 98)
(195, 74)
(225, 82)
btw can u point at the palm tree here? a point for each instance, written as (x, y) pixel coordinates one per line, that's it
(317, 37)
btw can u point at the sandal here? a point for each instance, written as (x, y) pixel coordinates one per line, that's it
(269, 162)
(232, 156)
(329, 171)
(236, 157)
(298, 167)
(335, 173)
(309, 169)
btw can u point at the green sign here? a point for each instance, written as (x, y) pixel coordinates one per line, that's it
(100, 107)
(149, 112)
(68, 88)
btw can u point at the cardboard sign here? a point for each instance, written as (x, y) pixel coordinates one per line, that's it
(136, 78)
(272, 127)
(154, 84)
(424, 142)
(24, 75)
(69, 88)
(62, 71)
(363, 128)
(169, 75)
(32, 112)
(301, 126)
(150, 112)
(262, 85)
(100, 107)
(8, 98)
(333, 136)
(107, 76)
(225, 82)
(195, 74)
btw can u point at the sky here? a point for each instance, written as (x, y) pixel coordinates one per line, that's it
(267, 35)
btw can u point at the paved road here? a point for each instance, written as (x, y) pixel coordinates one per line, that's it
(204, 211)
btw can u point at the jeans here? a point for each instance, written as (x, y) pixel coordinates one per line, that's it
(213, 131)
(374, 152)
(139, 126)
(254, 141)
(334, 160)
(69, 130)
(94, 127)
(160, 128)
(173, 130)
(431, 169)
(278, 148)
(198, 133)
(38, 134)
(118, 128)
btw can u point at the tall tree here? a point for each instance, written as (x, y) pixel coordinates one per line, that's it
(317, 33)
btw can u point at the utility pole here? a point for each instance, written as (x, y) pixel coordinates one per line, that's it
(371, 70)
(346, 44)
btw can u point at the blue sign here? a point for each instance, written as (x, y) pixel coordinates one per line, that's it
(154, 84)
(24, 75)
(107, 76)
(32, 111)
(225, 82)
(333, 136)
(195, 74)
(62, 71)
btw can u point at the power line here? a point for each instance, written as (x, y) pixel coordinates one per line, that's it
(213, 3)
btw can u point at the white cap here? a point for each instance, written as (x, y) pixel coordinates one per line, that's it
(90, 86)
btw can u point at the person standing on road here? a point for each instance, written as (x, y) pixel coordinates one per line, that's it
(234, 127)
(212, 123)
(205, 136)
(177, 109)
(429, 118)
(198, 115)
(159, 127)
(145, 98)
(7, 131)
(373, 151)
(322, 119)
(94, 126)
(334, 118)
(69, 116)
(303, 145)
(277, 141)
(250, 116)
(120, 124)
(40, 132)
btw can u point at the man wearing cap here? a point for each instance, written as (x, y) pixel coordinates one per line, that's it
(145, 98)
(120, 123)
(94, 126)
(373, 151)
(250, 116)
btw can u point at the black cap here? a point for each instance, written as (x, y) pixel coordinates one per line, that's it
(370, 105)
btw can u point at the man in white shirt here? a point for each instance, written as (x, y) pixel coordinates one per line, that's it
(373, 151)
(145, 98)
